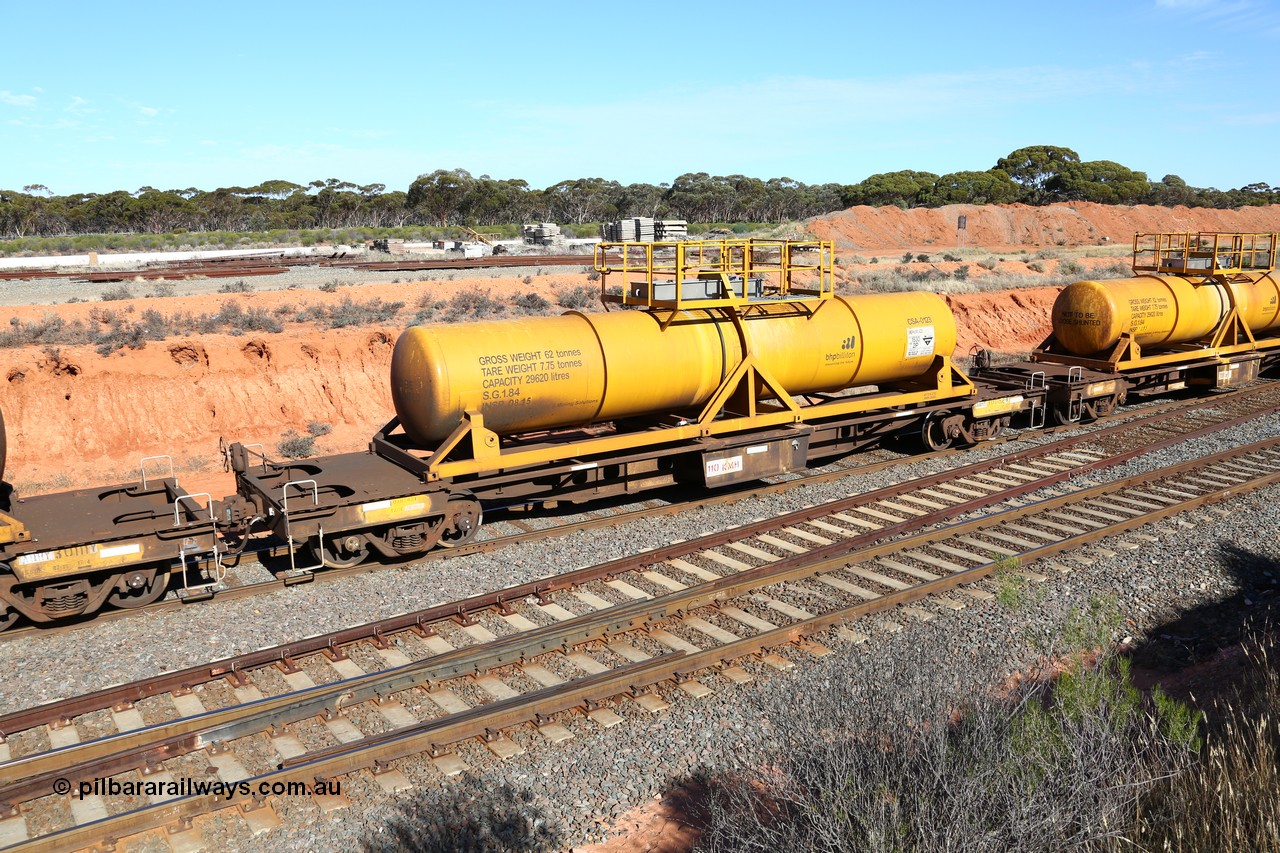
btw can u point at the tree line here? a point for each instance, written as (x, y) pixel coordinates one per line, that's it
(1037, 175)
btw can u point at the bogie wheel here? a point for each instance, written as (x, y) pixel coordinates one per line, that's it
(934, 434)
(340, 552)
(142, 588)
(1105, 406)
(463, 518)
(1062, 415)
(8, 616)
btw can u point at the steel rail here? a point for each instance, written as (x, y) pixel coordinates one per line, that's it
(1142, 418)
(126, 749)
(431, 735)
(62, 712)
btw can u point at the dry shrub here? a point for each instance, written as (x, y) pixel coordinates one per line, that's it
(914, 755)
(577, 298)
(471, 814)
(1229, 800)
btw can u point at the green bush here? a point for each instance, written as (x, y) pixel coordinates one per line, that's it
(912, 753)
(351, 313)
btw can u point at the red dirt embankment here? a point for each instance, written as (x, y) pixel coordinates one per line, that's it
(999, 227)
(84, 419)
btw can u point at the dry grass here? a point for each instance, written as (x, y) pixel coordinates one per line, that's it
(933, 279)
(1229, 800)
(913, 757)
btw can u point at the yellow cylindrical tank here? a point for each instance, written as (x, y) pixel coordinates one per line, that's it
(576, 369)
(1090, 316)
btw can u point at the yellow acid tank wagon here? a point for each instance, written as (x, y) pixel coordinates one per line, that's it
(1090, 316)
(576, 369)
(1195, 281)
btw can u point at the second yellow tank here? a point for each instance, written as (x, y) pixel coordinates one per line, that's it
(1158, 310)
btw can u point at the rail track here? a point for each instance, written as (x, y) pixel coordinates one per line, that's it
(1160, 422)
(540, 659)
(269, 264)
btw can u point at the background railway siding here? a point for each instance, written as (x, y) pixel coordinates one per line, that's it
(758, 607)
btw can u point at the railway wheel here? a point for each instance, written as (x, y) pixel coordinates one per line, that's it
(340, 552)
(935, 434)
(138, 588)
(7, 617)
(463, 518)
(1061, 413)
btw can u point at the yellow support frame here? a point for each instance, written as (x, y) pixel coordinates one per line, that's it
(1210, 256)
(1231, 337)
(943, 381)
(726, 272)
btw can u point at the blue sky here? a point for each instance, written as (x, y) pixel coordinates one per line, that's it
(96, 97)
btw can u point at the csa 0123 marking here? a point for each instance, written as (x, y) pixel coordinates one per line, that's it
(718, 467)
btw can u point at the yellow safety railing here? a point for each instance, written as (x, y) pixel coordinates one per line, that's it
(715, 273)
(1204, 253)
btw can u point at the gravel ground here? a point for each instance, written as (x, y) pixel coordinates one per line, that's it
(602, 774)
(52, 291)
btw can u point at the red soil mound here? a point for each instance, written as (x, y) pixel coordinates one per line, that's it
(1006, 226)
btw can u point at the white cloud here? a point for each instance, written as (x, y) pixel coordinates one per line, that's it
(1233, 15)
(1251, 119)
(142, 109)
(10, 99)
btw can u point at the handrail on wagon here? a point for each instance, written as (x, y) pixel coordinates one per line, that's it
(714, 273)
